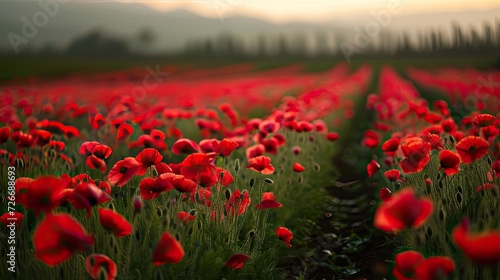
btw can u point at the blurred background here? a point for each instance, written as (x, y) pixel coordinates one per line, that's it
(57, 37)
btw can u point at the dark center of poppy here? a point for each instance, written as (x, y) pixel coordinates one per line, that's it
(123, 170)
(472, 148)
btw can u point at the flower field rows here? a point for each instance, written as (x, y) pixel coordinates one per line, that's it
(222, 173)
(199, 179)
(440, 173)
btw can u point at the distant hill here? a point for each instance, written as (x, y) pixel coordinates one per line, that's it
(173, 29)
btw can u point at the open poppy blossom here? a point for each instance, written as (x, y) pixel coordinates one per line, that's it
(449, 162)
(255, 151)
(12, 217)
(483, 120)
(123, 171)
(98, 121)
(268, 201)
(261, 164)
(332, 136)
(44, 193)
(403, 210)
(124, 130)
(385, 194)
(152, 187)
(57, 237)
(4, 134)
(185, 146)
(114, 222)
(238, 202)
(391, 146)
(412, 265)
(406, 263)
(197, 163)
(284, 235)
(179, 182)
(472, 148)
(237, 261)
(185, 217)
(168, 250)
(416, 156)
(484, 247)
(297, 167)
(224, 147)
(147, 158)
(94, 263)
(393, 175)
(85, 195)
(372, 168)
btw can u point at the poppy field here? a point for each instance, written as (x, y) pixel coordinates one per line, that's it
(231, 173)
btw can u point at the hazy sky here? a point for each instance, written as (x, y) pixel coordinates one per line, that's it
(315, 10)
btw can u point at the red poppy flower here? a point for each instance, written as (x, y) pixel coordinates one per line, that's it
(372, 168)
(206, 145)
(297, 167)
(385, 194)
(185, 146)
(284, 235)
(197, 163)
(57, 145)
(261, 164)
(449, 125)
(180, 183)
(226, 178)
(23, 140)
(255, 151)
(95, 262)
(162, 167)
(496, 168)
(483, 120)
(390, 147)
(435, 268)
(86, 195)
(484, 247)
(57, 237)
(42, 137)
(267, 126)
(101, 151)
(393, 175)
(237, 261)
(224, 147)
(332, 136)
(406, 263)
(94, 162)
(152, 187)
(147, 158)
(114, 222)
(416, 156)
(124, 130)
(98, 121)
(449, 162)
(442, 107)
(12, 217)
(268, 201)
(238, 202)
(44, 193)
(4, 134)
(402, 210)
(435, 140)
(370, 139)
(489, 132)
(123, 171)
(472, 148)
(433, 118)
(185, 217)
(88, 147)
(168, 250)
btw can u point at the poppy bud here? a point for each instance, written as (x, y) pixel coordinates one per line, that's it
(237, 165)
(137, 203)
(252, 182)
(268, 181)
(251, 233)
(452, 139)
(192, 212)
(228, 193)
